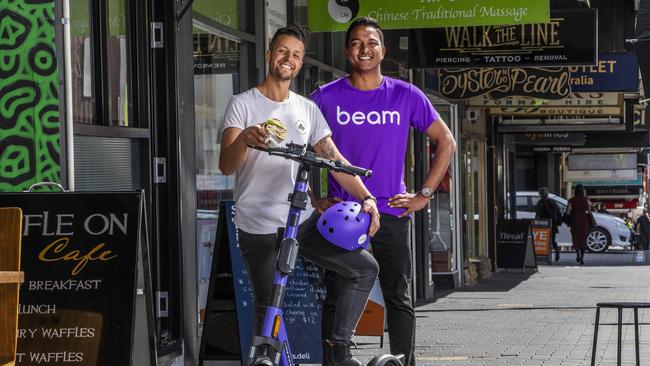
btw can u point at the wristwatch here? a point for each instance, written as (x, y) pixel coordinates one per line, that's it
(426, 191)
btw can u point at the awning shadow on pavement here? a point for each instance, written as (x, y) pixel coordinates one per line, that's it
(501, 281)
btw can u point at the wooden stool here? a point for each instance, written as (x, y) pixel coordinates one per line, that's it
(619, 306)
(10, 279)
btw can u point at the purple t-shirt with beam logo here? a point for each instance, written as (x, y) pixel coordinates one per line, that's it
(370, 128)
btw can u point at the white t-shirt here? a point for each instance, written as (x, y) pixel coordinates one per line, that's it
(264, 182)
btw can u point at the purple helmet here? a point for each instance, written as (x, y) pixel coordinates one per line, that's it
(345, 226)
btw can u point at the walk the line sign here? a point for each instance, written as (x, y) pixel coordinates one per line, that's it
(336, 15)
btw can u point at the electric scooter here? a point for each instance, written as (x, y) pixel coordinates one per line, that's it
(271, 347)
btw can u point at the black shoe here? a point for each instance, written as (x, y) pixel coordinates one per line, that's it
(578, 259)
(581, 262)
(338, 355)
(557, 255)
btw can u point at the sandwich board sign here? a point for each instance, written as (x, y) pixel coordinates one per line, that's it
(542, 236)
(515, 244)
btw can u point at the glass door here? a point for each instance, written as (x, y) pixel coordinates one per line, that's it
(474, 199)
(216, 79)
(443, 216)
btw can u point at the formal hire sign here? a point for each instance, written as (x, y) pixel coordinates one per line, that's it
(336, 15)
(569, 38)
(79, 258)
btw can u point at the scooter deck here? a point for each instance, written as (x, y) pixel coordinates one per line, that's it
(10, 279)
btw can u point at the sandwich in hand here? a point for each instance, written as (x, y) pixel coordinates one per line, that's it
(277, 132)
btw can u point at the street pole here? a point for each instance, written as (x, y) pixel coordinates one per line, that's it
(67, 85)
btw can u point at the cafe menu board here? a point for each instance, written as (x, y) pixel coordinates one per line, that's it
(79, 259)
(303, 299)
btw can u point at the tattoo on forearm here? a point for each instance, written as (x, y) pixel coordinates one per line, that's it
(325, 148)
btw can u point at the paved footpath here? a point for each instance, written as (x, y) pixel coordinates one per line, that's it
(540, 318)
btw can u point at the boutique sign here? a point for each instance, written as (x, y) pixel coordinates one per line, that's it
(336, 15)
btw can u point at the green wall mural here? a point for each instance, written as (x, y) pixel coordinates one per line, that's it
(29, 105)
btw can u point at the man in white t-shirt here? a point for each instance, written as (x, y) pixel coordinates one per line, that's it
(263, 183)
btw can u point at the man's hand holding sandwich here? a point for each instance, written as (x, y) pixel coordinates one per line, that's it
(267, 134)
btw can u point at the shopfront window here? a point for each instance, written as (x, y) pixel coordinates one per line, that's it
(116, 55)
(224, 12)
(473, 203)
(101, 54)
(216, 79)
(443, 241)
(82, 67)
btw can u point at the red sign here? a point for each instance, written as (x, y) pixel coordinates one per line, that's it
(620, 204)
(541, 236)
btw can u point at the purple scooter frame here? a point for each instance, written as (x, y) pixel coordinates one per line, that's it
(271, 347)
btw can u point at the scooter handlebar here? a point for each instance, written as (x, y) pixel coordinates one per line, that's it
(299, 153)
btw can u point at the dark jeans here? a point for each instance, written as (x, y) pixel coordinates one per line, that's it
(553, 241)
(644, 238)
(390, 248)
(358, 270)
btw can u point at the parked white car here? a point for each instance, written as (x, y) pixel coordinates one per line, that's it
(611, 230)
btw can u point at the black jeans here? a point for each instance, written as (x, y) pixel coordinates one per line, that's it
(358, 270)
(390, 248)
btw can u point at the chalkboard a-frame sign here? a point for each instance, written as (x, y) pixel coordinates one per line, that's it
(79, 256)
(228, 324)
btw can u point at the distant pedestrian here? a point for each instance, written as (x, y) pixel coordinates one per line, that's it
(577, 211)
(643, 231)
(548, 209)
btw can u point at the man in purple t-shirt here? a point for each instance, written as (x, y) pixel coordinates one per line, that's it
(370, 116)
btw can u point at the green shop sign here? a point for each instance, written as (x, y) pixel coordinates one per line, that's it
(336, 15)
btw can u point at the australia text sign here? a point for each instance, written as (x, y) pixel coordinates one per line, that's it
(569, 38)
(336, 15)
(79, 257)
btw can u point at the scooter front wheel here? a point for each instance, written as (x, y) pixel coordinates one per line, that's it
(262, 361)
(387, 360)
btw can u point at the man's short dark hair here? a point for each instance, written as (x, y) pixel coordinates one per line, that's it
(290, 30)
(364, 22)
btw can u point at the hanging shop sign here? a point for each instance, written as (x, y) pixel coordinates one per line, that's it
(601, 161)
(553, 149)
(594, 99)
(612, 174)
(620, 204)
(639, 118)
(612, 191)
(613, 72)
(550, 139)
(335, 15)
(569, 38)
(636, 181)
(497, 83)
